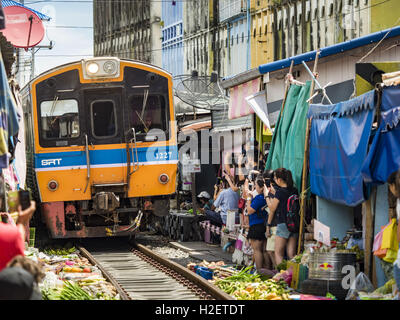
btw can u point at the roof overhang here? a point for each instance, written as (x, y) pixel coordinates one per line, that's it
(246, 76)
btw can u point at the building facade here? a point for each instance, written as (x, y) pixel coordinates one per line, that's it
(128, 29)
(172, 37)
(305, 25)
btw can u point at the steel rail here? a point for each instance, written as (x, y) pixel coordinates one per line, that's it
(215, 292)
(121, 291)
(179, 274)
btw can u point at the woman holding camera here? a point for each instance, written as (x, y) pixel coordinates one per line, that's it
(284, 240)
(257, 217)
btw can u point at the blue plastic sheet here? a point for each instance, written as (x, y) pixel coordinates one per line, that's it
(384, 155)
(338, 147)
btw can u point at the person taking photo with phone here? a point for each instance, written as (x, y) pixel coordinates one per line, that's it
(12, 235)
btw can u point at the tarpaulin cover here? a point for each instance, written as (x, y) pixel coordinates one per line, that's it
(338, 146)
(8, 116)
(293, 157)
(384, 154)
(285, 120)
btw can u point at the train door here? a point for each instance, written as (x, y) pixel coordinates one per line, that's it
(105, 135)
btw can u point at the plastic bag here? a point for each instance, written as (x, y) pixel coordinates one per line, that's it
(360, 284)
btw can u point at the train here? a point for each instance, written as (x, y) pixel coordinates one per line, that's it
(101, 146)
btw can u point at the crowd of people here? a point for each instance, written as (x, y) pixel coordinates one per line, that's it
(259, 199)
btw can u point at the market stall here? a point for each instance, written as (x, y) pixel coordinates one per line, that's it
(69, 276)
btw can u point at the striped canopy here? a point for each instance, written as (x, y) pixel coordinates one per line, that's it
(8, 3)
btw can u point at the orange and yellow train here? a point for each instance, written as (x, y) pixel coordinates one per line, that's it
(101, 145)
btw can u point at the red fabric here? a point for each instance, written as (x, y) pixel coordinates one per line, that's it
(11, 244)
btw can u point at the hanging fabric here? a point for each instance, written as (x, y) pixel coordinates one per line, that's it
(278, 144)
(384, 155)
(338, 146)
(8, 116)
(293, 156)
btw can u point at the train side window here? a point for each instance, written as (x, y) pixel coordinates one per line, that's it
(104, 119)
(147, 112)
(60, 119)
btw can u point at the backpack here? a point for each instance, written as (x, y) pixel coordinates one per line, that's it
(292, 215)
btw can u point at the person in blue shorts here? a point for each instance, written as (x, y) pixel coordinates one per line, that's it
(284, 239)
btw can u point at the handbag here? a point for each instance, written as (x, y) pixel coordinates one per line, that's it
(389, 242)
(241, 203)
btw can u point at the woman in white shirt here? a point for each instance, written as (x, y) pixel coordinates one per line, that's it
(394, 187)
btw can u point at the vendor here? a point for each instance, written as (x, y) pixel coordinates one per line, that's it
(227, 200)
(394, 186)
(205, 201)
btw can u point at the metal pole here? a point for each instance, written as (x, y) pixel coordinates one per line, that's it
(33, 63)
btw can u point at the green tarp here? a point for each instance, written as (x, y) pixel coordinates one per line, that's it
(287, 147)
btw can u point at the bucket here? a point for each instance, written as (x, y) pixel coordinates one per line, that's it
(328, 266)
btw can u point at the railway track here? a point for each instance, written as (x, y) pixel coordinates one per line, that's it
(140, 274)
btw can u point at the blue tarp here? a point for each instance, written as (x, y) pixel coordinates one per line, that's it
(338, 146)
(384, 154)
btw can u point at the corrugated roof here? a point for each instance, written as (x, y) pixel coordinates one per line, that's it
(8, 3)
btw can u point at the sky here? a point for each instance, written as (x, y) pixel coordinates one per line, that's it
(70, 29)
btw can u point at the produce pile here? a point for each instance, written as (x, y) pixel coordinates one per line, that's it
(70, 277)
(246, 286)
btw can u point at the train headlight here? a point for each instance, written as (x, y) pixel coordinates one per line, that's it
(101, 67)
(109, 67)
(52, 185)
(92, 68)
(163, 178)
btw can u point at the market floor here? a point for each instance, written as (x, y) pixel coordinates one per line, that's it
(201, 250)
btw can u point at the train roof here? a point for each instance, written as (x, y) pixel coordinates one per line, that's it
(79, 61)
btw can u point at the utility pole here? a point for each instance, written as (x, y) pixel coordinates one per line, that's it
(33, 52)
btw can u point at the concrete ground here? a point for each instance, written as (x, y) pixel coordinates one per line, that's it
(201, 250)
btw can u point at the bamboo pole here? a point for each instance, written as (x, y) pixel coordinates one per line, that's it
(287, 86)
(305, 165)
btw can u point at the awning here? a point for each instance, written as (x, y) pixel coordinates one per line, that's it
(258, 103)
(229, 82)
(384, 155)
(197, 126)
(339, 140)
(238, 106)
(8, 3)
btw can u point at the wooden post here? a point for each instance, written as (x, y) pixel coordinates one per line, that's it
(369, 234)
(303, 194)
